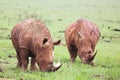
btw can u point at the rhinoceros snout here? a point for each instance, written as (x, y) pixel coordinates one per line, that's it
(56, 66)
(50, 67)
(88, 59)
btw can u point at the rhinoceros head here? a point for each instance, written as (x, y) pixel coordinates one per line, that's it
(86, 50)
(44, 56)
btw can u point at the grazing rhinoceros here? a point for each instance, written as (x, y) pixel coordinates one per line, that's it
(31, 38)
(81, 38)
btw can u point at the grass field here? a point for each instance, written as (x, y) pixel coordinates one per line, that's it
(57, 15)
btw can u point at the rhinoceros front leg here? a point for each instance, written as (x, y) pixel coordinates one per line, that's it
(24, 58)
(73, 52)
(33, 64)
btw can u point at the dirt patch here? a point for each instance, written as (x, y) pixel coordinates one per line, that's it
(61, 31)
(6, 79)
(59, 19)
(2, 79)
(1, 70)
(118, 30)
(4, 62)
(110, 37)
(99, 76)
(12, 56)
(5, 37)
(106, 66)
(112, 21)
(4, 29)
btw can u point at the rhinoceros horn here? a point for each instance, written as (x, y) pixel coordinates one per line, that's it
(93, 56)
(81, 35)
(56, 66)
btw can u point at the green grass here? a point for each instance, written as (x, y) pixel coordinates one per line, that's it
(57, 15)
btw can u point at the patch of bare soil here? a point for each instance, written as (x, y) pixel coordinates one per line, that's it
(4, 29)
(11, 56)
(5, 37)
(102, 77)
(2, 79)
(1, 70)
(6, 79)
(4, 62)
(118, 30)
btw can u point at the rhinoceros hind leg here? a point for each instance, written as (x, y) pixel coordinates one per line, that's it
(19, 60)
(18, 53)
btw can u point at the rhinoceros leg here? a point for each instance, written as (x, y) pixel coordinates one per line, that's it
(24, 58)
(73, 52)
(19, 60)
(33, 64)
(18, 54)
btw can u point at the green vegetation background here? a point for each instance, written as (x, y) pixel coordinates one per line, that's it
(57, 15)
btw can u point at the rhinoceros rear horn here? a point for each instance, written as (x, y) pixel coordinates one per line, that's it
(93, 56)
(81, 35)
(57, 42)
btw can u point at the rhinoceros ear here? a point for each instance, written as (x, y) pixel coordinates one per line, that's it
(45, 40)
(57, 42)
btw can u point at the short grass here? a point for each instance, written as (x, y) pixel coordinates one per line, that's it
(57, 15)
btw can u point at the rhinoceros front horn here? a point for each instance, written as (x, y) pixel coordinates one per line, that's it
(56, 66)
(93, 56)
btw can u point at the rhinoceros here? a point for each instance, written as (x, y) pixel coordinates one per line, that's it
(81, 38)
(31, 38)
